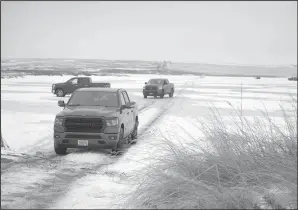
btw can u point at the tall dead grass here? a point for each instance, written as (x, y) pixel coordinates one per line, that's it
(252, 166)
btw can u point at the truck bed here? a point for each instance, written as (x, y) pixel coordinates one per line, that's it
(101, 84)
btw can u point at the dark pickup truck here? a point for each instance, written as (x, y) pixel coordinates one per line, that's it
(96, 118)
(158, 87)
(68, 87)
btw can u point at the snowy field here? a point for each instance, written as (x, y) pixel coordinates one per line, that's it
(32, 176)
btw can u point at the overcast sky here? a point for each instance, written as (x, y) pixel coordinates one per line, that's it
(208, 32)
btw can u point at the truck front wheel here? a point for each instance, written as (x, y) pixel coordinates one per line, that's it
(171, 93)
(162, 94)
(134, 134)
(60, 93)
(60, 151)
(120, 142)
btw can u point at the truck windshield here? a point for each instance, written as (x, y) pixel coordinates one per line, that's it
(155, 81)
(94, 98)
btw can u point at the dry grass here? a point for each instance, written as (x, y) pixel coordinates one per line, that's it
(3, 143)
(251, 166)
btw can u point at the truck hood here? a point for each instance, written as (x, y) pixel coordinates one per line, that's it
(153, 85)
(58, 84)
(93, 111)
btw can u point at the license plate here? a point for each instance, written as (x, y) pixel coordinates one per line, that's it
(83, 143)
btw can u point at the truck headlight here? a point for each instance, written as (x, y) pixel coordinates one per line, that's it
(58, 121)
(112, 122)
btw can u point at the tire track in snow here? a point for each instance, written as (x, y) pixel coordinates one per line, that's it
(54, 177)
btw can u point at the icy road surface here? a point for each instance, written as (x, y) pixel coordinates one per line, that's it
(32, 176)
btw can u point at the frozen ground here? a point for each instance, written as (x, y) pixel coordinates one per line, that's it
(32, 176)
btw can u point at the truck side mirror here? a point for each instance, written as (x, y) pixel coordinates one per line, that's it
(61, 103)
(131, 104)
(123, 107)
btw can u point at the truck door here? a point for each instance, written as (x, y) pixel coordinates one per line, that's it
(124, 114)
(130, 115)
(73, 85)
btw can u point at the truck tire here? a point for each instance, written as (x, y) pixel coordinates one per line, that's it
(162, 94)
(120, 142)
(171, 93)
(59, 150)
(145, 96)
(134, 134)
(60, 93)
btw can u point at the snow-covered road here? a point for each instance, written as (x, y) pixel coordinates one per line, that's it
(37, 178)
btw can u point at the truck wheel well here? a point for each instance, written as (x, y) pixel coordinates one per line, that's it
(59, 89)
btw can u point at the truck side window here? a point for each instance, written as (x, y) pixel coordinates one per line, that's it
(74, 81)
(165, 82)
(125, 96)
(122, 99)
(83, 81)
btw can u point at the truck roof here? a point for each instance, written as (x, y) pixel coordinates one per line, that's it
(158, 78)
(80, 77)
(111, 90)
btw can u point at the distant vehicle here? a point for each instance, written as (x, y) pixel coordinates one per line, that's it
(96, 118)
(68, 87)
(258, 77)
(158, 87)
(292, 79)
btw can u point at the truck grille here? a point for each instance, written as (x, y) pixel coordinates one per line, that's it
(87, 125)
(80, 136)
(151, 88)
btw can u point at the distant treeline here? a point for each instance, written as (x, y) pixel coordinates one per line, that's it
(108, 72)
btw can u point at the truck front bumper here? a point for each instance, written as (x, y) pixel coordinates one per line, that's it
(152, 92)
(89, 140)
